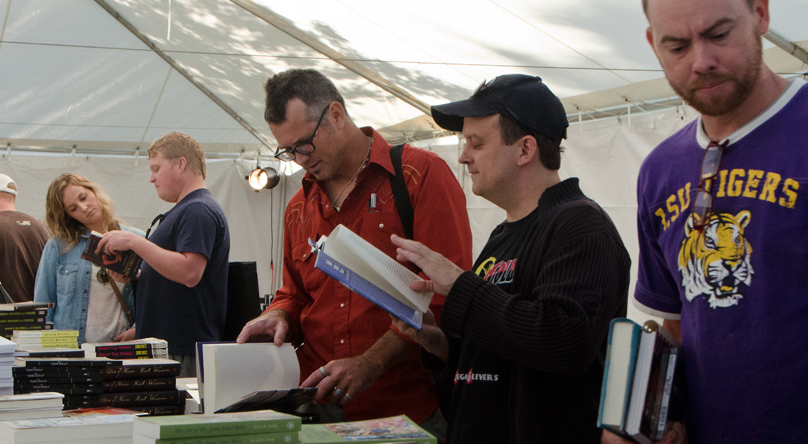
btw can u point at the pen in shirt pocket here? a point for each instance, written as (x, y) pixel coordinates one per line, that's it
(372, 203)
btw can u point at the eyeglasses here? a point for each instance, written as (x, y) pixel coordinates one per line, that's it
(703, 202)
(304, 147)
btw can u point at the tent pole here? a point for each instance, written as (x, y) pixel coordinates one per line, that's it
(787, 45)
(184, 73)
(289, 28)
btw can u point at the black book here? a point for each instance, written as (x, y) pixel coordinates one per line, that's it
(52, 353)
(126, 399)
(56, 372)
(70, 362)
(67, 389)
(142, 368)
(37, 313)
(133, 354)
(159, 410)
(26, 306)
(58, 380)
(140, 385)
(126, 263)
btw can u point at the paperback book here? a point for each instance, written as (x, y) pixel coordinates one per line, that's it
(222, 424)
(126, 262)
(384, 430)
(366, 270)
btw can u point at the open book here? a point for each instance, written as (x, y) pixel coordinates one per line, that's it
(365, 269)
(236, 377)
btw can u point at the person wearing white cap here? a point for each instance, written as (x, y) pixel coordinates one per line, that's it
(22, 239)
(522, 337)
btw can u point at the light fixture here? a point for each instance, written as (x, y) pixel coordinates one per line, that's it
(263, 178)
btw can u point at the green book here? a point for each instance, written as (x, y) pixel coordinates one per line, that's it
(262, 438)
(384, 430)
(220, 424)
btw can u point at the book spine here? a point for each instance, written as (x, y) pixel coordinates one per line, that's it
(69, 362)
(47, 372)
(125, 399)
(130, 347)
(258, 426)
(48, 334)
(66, 389)
(666, 393)
(366, 289)
(39, 312)
(57, 380)
(132, 354)
(263, 438)
(159, 410)
(141, 371)
(139, 385)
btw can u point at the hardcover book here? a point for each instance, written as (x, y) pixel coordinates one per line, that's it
(366, 270)
(656, 383)
(126, 263)
(618, 371)
(221, 424)
(384, 430)
(55, 430)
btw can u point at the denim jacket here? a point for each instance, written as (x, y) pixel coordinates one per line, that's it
(64, 278)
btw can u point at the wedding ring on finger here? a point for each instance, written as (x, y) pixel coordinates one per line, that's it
(323, 372)
(339, 393)
(348, 397)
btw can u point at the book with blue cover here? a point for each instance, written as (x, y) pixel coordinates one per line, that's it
(618, 372)
(366, 270)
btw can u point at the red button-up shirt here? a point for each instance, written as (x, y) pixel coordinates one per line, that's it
(334, 322)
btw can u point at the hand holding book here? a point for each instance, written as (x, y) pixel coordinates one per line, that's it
(442, 272)
(676, 435)
(430, 336)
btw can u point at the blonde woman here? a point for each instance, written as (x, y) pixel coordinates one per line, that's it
(83, 293)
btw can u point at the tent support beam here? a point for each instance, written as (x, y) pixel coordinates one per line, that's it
(177, 67)
(787, 45)
(289, 28)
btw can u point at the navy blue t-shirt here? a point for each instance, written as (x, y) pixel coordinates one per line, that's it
(168, 310)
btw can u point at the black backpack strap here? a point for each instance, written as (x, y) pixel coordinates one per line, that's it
(400, 193)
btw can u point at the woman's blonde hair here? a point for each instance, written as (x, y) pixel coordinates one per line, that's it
(63, 226)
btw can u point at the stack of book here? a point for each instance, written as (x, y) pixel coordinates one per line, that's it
(31, 406)
(36, 339)
(23, 316)
(257, 427)
(643, 388)
(145, 385)
(385, 430)
(135, 349)
(79, 379)
(109, 426)
(7, 349)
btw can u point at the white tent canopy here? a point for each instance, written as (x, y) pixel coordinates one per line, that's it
(101, 79)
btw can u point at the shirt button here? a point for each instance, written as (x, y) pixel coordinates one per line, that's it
(381, 225)
(342, 305)
(342, 341)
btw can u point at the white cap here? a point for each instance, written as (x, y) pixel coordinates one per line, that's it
(5, 181)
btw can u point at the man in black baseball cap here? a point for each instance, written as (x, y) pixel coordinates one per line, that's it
(524, 332)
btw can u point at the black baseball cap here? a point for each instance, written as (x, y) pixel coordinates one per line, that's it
(523, 98)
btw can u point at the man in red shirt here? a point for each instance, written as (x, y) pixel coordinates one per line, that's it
(350, 350)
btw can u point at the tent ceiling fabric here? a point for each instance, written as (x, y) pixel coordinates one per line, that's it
(72, 74)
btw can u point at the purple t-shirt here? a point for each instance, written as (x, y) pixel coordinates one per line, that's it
(741, 284)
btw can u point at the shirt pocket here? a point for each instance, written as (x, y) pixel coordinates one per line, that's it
(67, 276)
(311, 278)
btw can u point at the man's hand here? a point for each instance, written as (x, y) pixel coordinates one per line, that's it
(676, 435)
(117, 277)
(127, 335)
(115, 241)
(442, 271)
(430, 336)
(343, 379)
(273, 324)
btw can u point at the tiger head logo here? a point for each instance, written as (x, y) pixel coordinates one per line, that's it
(716, 262)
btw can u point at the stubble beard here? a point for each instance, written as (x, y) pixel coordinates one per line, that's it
(716, 104)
